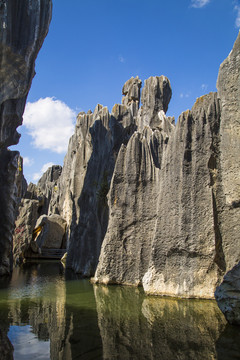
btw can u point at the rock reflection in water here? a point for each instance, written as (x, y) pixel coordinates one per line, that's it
(228, 344)
(60, 311)
(6, 348)
(37, 297)
(183, 329)
(122, 325)
(133, 326)
(62, 317)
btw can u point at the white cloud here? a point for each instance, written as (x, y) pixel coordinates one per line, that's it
(237, 9)
(36, 176)
(50, 123)
(121, 59)
(199, 3)
(27, 161)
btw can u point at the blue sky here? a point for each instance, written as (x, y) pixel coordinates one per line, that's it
(95, 46)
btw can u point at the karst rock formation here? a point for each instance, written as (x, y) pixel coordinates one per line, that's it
(151, 203)
(24, 25)
(146, 201)
(175, 193)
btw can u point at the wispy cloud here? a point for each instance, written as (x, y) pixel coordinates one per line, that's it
(121, 59)
(36, 176)
(204, 87)
(199, 3)
(182, 95)
(27, 161)
(237, 9)
(50, 123)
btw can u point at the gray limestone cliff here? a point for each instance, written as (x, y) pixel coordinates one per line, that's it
(81, 198)
(174, 196)
(24, 25)
(133, 192)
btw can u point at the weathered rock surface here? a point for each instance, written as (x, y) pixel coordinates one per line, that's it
(228, 181)
(24, 226)
(50, 231)
(227, 190)
(20, 180)
(184, 250)
(126, 248)
(24, 26)
(227, 295)
(34, 203)
(131, 94)
(174, 196)
(160, 194)
(47, 186)
(86, 176)
(155, 98)
(8, 161)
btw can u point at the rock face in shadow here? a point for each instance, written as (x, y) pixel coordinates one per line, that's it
(86, 176)
(227, 295)
(228, 184)
(24, 26)
(228, 181)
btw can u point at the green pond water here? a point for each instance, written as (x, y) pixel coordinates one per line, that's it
(46, 313)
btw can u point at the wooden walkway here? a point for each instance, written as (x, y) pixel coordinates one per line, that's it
(54, 254)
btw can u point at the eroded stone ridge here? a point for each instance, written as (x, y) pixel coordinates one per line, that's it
(24, 25)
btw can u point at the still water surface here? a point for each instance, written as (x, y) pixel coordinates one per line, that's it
(46, 313)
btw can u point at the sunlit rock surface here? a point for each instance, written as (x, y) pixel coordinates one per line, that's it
(34, 203)
(24, 25)
(183, 257)
(24, 226)
(174, 197)
(133, 193)
(50, 231)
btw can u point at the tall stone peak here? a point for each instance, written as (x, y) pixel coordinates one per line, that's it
(131, 94)
(156, 95)
(131, 90)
